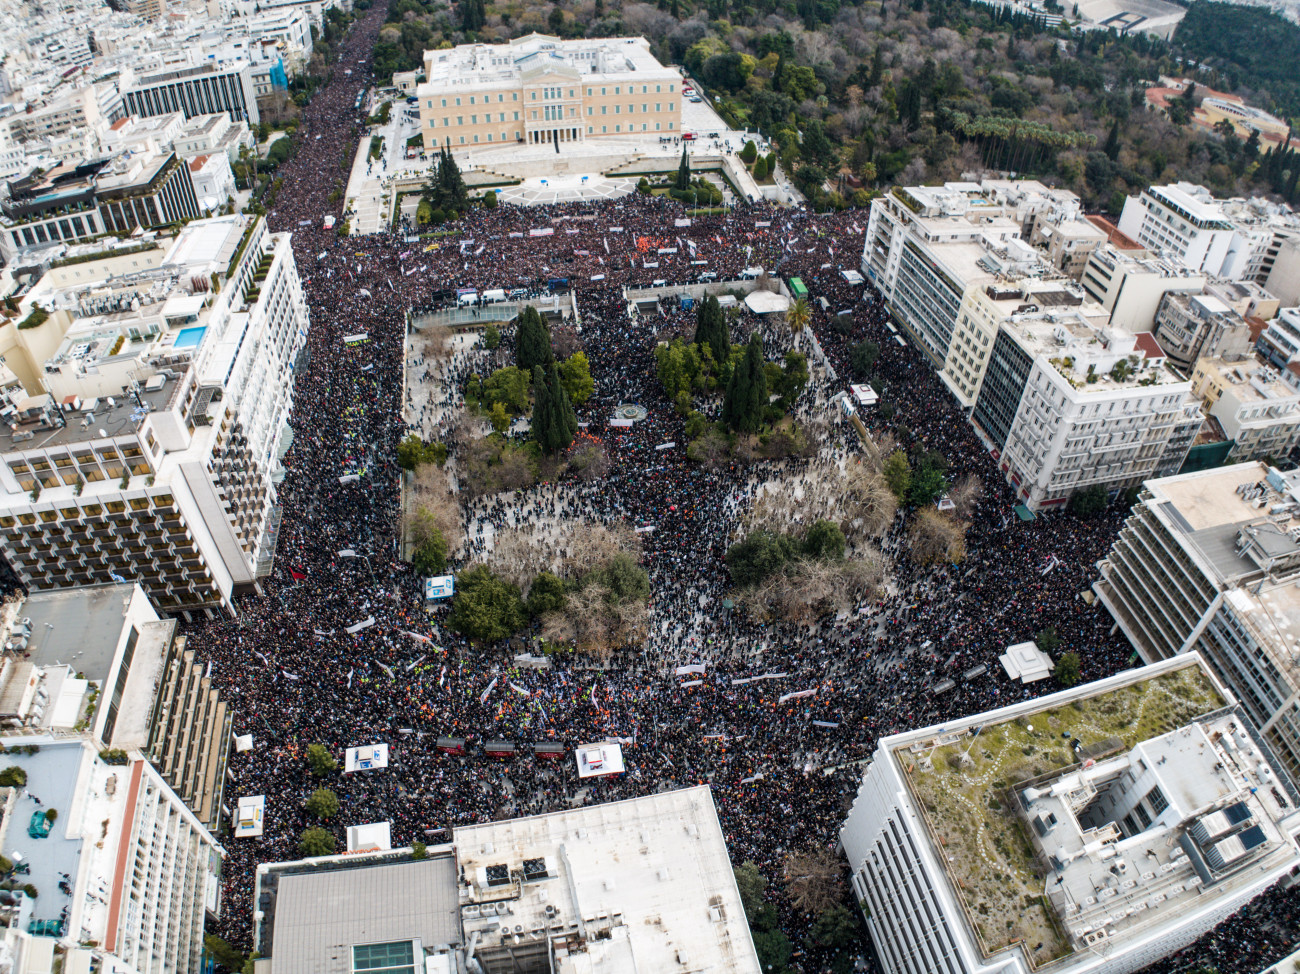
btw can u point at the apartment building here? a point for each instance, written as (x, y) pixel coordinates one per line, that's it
(1281, 270)
(1066, 404)
(1208, 561)
(1237, 239)
(152, 448)
(99, 664)
(1179, 221)
(931, 250)
(142, 872)
(1280, 342)
(1256, 409)
(1193, 326)
(72, 203)
(541, 90)
(199, 90)
(206, 135)
(1131, 284)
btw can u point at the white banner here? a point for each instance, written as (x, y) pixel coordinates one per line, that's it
(488, 692)
(542, 232)
(797, 695)
(363, 624)
(692, 683)
(691, 668)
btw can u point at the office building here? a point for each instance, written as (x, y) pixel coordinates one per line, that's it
(1193, 326)
(1256, 409)
(206, 135)
(1130, 284)
(541, 90)
(98, 663)
(643, 884)
(151, 448)
(142, 870)
(1073, 833)
(1208, 561)
(1066, 404)
(199, 90)
(1281, 271)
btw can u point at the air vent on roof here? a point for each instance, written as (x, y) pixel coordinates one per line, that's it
(498, 875)
(534, 869)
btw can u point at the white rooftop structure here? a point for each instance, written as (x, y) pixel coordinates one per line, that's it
(373, 837)
(766, 302)
(1027, 663)
(596, 760)
(250, 817)
(368, 757)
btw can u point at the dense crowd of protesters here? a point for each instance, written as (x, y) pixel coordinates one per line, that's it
(782, 783)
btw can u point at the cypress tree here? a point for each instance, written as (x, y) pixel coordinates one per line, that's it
(711, 329)
(532, 341)
(683, 180)
(742, 407)
(554, 422)
(1111, 147)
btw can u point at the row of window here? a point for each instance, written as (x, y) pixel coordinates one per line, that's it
(551, 113)
(591, 130)
(549, 94)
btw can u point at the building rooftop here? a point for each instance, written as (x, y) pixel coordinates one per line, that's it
(1211, 509)
(1249, 381)
(51, 424)
(80, 626)
(1011, 797)
(1093, 358)
(642, 884)
(476, 65)
(320, 914)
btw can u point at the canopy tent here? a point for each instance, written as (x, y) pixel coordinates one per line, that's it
(766, 302)
(1027, 663)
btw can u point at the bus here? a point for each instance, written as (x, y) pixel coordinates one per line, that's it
(797, 290)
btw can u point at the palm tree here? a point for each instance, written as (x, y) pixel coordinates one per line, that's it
(797, 317)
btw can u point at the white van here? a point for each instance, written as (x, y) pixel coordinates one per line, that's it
(493, 296)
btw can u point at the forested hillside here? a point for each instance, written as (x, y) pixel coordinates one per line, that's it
(921, 90)
(1252, 48)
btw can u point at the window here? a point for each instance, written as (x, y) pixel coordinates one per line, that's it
(1157, 799)
(389, 958)
(444, 103)
(473, 120)
(471, 99)
(588, 92)
(460, 119)
(457, 101)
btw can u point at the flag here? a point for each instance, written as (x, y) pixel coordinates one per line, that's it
(297, 575)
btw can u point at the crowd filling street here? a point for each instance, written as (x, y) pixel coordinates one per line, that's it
(782, 774)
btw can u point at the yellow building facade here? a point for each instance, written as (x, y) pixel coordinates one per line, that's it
(541, 90)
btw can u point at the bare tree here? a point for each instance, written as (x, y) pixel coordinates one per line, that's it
(966, 495)
(433, 506)
(588, 459)
(814, 880)
(934, 537)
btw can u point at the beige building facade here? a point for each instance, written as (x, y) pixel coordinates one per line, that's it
(541, 90)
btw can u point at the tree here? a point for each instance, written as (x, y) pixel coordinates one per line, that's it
(813, 880)
(936, 538)
(1047, 640)
(622, 578)
(1067, 669)
(749, 153)
(323, 804)
(760, 554)
(1111, 148)
(316, 842)
(320, 760)
(485, 607)
(751, 884)
(554, 422)
(280, 151)
(491, 337)
(532, 341)
(835, 927)
(897, 472)
(445, 189)
(224, 954)
(928, 484)
(746, 397)
(711, 329)
(13, 777)
(575, 376)
(824, 541)
(546, 594)
(797, 317)
(555, 22)
(498, 418)
(490, 200)
(1090, 500)
(683, 178)
(862, 359)
(419, 850)
(430, 555)
(760, 169)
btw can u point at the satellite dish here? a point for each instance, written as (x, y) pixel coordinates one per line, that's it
(111, 404)
(103, 432)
